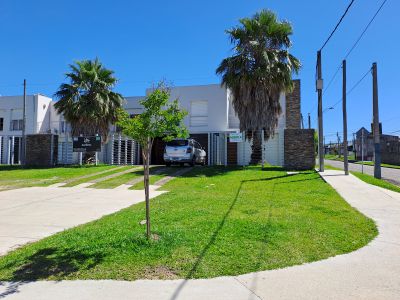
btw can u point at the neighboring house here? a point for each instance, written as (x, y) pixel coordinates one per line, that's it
(210, 120)
(390, 146)
(39, 119)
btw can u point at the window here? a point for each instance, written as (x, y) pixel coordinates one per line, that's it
(63, 126)
(177, 143)
(199, 113)
(16, 125)
(1, 124)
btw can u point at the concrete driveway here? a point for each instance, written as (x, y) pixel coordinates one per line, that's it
(29, 214)
(389, 174)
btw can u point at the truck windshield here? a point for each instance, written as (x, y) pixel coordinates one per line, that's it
(177, 143)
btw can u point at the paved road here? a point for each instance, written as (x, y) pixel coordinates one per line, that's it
(389, 174)
(29, 214)
(372, 272)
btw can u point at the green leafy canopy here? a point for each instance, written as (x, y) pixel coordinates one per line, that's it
(159, 119)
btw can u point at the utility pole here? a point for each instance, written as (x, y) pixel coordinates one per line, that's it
(345, 156)
(362, 150)
(23, 142)
(377, 139)
(320, 123)
(338, 143)
(309, 121)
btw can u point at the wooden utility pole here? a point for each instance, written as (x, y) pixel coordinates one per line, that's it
(23, 142)
(345, 156)
(376, 133)
(321, 150)
(309, 121)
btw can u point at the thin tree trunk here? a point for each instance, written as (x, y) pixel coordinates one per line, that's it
(256, 148)
(146, 167)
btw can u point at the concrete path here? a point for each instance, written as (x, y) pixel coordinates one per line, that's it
(92, 174)
(29, 214)
(372, 272)
(168, 178)
(389, 174)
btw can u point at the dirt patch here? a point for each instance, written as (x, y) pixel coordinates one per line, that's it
(159, 272)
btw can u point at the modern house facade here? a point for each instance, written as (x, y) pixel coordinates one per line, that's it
(41, 117)
(211, 120)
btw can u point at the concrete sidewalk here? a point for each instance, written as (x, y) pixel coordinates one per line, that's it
(372, 272)
(29, 214)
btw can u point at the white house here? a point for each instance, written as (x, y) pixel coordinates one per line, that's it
(210, 121)
(40, 118)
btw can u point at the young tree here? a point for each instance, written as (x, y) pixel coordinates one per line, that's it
(260, 69)
(159, 119)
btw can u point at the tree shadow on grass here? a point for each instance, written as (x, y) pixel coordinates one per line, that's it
(224, 218)
(50, 263)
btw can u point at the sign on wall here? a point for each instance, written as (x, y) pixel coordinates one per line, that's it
(235, 137)
(86, 144)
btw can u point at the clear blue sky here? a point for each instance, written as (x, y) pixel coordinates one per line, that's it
(184, 41)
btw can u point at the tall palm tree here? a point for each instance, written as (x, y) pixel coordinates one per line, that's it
(256, 74)
(87, 101)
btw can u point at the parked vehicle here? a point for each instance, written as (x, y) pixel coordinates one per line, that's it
(181, 151)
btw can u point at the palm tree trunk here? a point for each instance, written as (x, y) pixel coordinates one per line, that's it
(256, 148)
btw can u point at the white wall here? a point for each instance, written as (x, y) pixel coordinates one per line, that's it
(37, 117)
(213, 93)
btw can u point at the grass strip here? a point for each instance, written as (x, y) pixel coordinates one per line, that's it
(94, 177)
(117, 181)
(156, 175)
(370, 179)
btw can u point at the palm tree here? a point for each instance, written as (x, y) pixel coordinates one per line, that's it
(256, 74)
(87, 101)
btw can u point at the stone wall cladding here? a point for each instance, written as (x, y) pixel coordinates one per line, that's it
(293, 114)
(41, 150)
(299, 149)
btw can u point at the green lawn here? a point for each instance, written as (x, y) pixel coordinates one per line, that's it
(371, 180)
(214, 221)
(94, 177)
(16, 176)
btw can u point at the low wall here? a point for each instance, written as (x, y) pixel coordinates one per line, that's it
(41, 150)
(299, 149)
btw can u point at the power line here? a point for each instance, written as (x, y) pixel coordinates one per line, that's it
(351, 90)
(337, 25)
(354, 45)
(331, 81)
(365, 30)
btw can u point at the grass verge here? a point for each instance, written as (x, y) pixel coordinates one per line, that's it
(214, 221)
(371, 180)
(371, 163)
